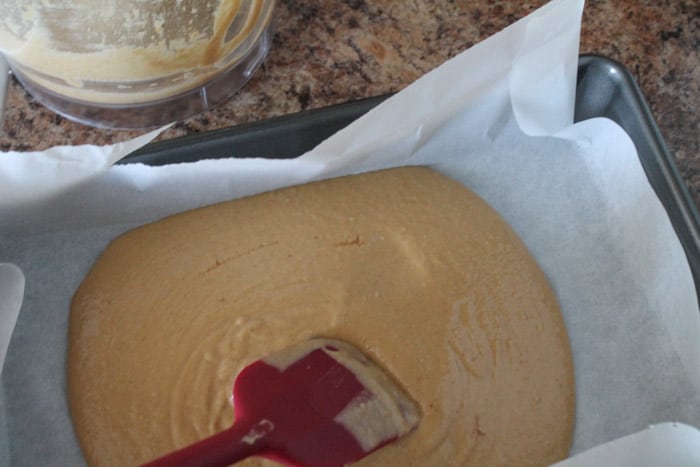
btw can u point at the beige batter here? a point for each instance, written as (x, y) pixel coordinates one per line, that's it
(407, 264)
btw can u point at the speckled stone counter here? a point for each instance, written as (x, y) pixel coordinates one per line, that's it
(333, 51)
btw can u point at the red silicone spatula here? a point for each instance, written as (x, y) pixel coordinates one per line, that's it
(319, 403)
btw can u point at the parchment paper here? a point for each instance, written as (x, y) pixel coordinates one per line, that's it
(499, 119)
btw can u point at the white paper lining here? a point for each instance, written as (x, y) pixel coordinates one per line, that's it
(497, 118)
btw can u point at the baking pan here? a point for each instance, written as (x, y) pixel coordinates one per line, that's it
(605, 88)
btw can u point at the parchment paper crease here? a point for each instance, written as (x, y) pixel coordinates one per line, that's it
(499, 119)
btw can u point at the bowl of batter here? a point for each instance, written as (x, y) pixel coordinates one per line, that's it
(134, 64)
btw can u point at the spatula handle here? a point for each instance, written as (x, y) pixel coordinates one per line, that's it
(240, 441)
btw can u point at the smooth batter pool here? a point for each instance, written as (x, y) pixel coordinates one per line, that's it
(407, 264)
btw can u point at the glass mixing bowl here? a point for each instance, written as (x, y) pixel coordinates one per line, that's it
(134, 63)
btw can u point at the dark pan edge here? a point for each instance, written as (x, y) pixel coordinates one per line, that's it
(282, 137)
(607, 89)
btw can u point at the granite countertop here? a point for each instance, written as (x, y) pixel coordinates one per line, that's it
(336, 51)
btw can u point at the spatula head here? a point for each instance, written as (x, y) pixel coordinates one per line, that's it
(321, 403)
